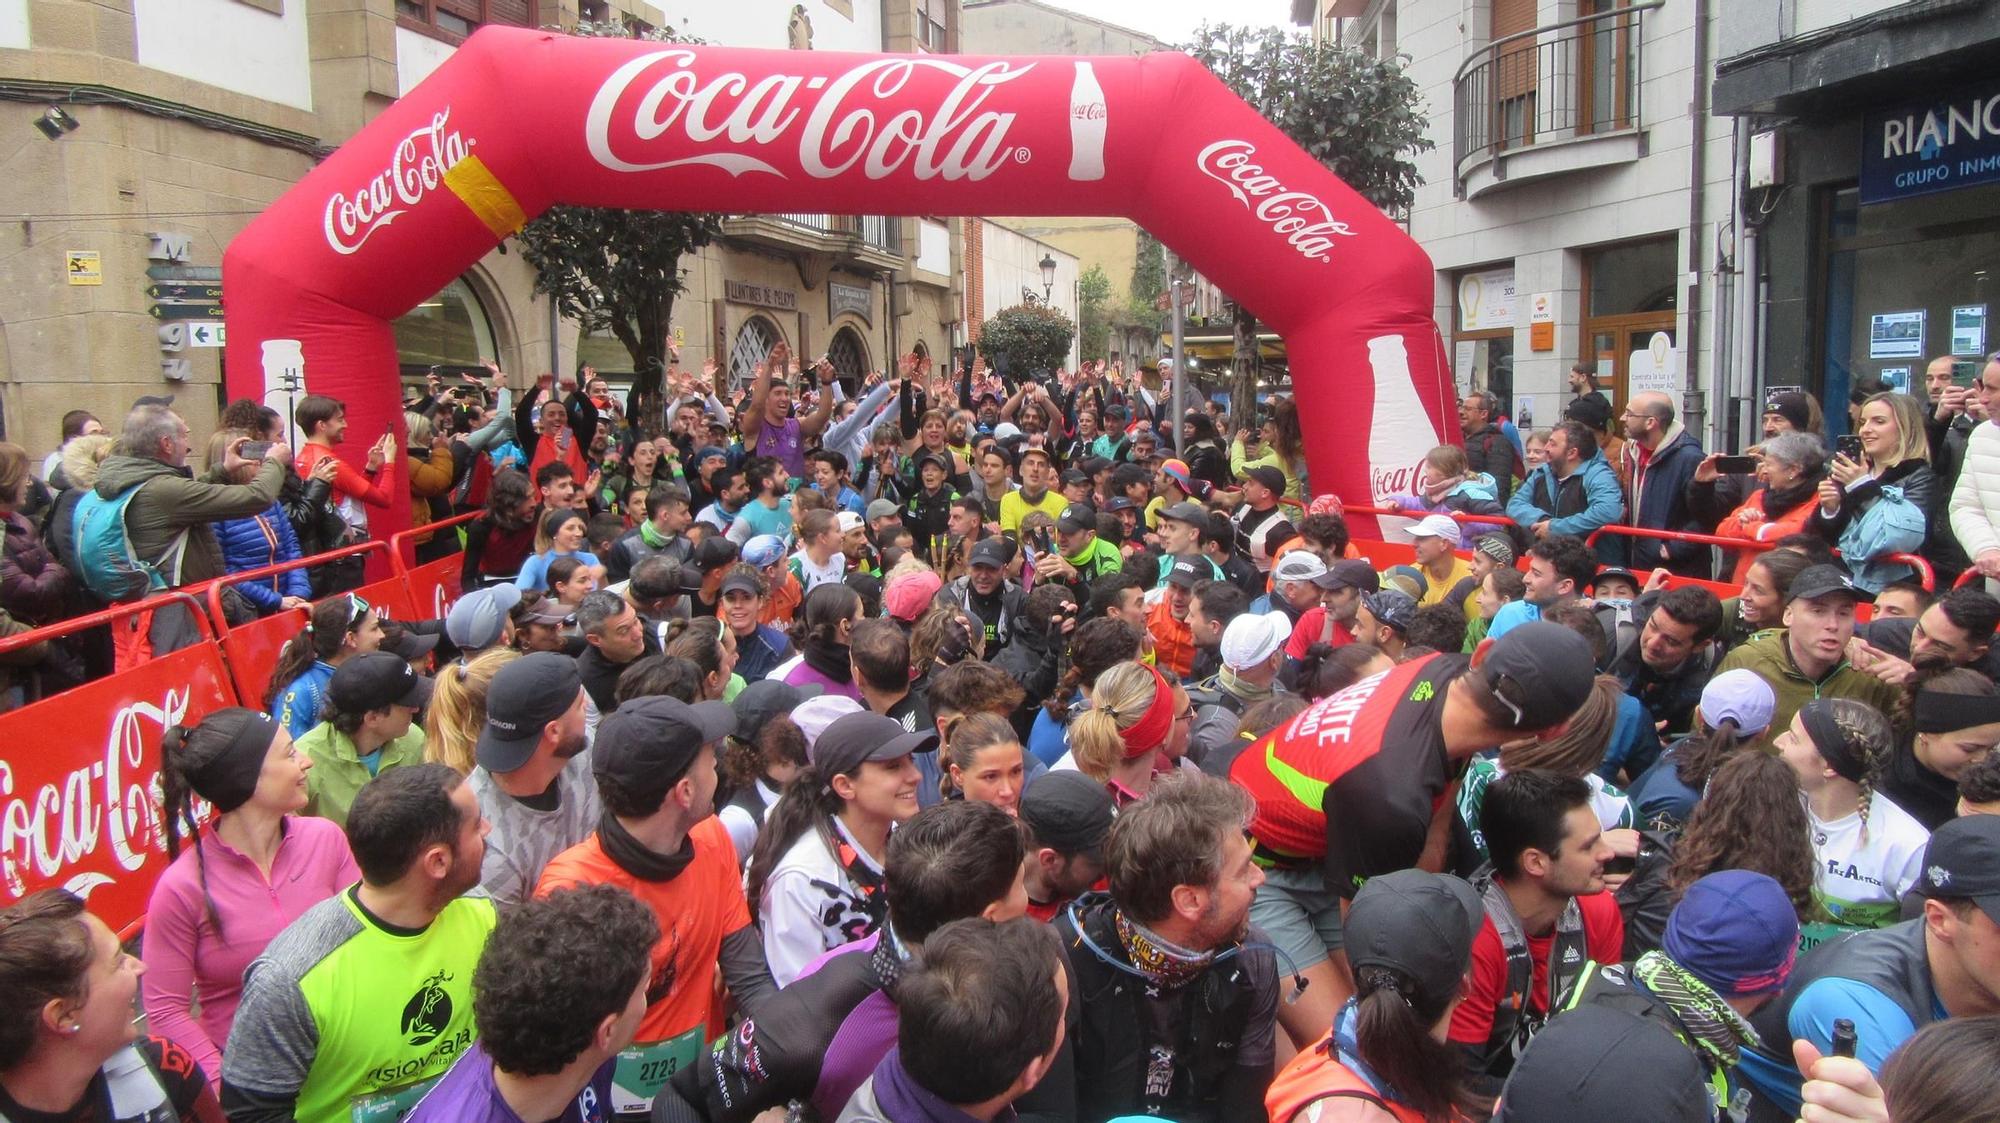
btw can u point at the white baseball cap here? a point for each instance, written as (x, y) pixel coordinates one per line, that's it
(814, 714)
(1299, 565)
(1435, 526)
(1250, 640)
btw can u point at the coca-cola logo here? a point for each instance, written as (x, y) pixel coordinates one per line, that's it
(415, 169)
(62, 824)
(1406, 480)
(726, 114)
(1306, 223)
(1092, 111)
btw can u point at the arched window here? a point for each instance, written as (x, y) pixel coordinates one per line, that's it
(754, 341)
(849, 356)
(450, 329)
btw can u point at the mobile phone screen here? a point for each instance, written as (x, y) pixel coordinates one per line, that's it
(1736, 464)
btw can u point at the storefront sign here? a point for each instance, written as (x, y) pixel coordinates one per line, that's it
(848, 298)
(1486, 300)
(1655, 368)
(1896, 335)
(1464, 353)
(763, 296)
(1542, 322)
(1929, 146)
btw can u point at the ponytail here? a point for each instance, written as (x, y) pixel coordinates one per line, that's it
(1697, 759)
(327, 628)
(809, 803)
(1393, 1036)
(965, 736)
(1094, 743)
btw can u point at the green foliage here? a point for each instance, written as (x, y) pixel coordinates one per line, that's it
(1092, 314)
(1360, 116)
(617, 270)
(1149, 280)
(1027, 339)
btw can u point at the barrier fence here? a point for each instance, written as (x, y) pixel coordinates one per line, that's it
(79, 779)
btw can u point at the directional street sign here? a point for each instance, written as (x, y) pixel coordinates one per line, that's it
(186, 311)
(171, 272)
(205, 291)
(204, 333)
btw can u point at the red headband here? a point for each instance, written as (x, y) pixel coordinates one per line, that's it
(1150, 730)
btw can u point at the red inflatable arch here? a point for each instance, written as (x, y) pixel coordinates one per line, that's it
(518, 121)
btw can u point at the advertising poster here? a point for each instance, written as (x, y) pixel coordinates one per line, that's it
(1897, 379)
(1896, 335)
(1968, 329)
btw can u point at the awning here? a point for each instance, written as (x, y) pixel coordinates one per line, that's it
(1222, 348)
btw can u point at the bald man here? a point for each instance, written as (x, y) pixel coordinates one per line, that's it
(1659, 459)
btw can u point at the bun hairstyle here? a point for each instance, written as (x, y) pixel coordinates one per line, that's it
(1392, 1030)
(1120, 700)
(458, 708)
(1095, 647)
(219, 760)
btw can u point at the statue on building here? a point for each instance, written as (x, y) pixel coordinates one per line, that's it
(800, 30)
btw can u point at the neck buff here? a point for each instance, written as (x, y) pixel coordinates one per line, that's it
(1249, 693)
(638, 859)
(229, 778)
(1164, 964)
(1718, 1031)
(1150, 731)
(652, 537)
(1938, 712)
(828, 658)
(1841, 753)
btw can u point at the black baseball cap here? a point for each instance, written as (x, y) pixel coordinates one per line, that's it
(1074, 476)
(409, 645)
(1077, 517)
(1420, 924)
(1350, 573)
(524, 697)
(1185, 572)
(1069, 812)
(991, 552)
(1963, 860)
(1600, 1062)
(765, 699)
(855, 738)
(1272, 478)
(1119, 503)
(1616, 572)
(648, 743)
(1193, 514)
(1825, 580)
(1540, 674)
(941, 459)
(747, 582)
(377, 680)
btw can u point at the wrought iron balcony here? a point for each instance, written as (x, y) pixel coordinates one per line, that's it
(867, 239)
(1572, 80)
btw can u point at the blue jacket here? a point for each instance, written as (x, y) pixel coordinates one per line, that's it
(260, 540)
(1589, 498)
(298, 705)
(761, 652)
(1660, 502)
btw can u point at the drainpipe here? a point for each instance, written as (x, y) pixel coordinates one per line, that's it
(1697, 172)
(555, 336)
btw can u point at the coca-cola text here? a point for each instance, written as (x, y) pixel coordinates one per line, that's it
(957, 139)
(1306, 223)
(415, 170)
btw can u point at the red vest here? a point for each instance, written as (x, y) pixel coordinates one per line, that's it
(1315, 1074)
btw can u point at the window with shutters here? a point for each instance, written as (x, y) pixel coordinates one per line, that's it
(453, 20)
(1514, 72)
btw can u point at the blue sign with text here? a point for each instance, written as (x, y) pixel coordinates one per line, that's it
(1937, 145)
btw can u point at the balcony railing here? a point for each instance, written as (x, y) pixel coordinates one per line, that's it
(1577, 78)
(871, 229)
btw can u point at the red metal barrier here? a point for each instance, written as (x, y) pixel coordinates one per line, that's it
(252, 649)
(434, 585)
(1399, 513)
(1677, 536)
(1925, 573)
(76, 808)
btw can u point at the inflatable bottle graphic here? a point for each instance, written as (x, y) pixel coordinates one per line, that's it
(1400, 434)
(1087, 125)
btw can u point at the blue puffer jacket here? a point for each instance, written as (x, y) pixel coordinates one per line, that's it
(263, 539)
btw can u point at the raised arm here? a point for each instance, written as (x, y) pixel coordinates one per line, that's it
(812, 424)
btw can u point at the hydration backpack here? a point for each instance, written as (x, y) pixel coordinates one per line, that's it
(106, 561)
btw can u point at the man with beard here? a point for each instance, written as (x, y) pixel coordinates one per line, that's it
(1174, 1011)
(1955, 631)
(660, 841)
(986, 593)
(532, 783)
(389, 960)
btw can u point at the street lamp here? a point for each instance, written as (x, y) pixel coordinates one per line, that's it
(1048, 276)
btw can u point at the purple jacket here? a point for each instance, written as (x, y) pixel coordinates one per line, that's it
(805, 673)
(890, 1096)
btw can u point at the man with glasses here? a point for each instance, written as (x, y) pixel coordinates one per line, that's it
(1660, 457)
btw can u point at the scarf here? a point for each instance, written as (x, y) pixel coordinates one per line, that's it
(1719, 1032)
(1777, 501)
(867, 883)
(828, 658)
(635, 857)
(1249, 693)
(1164, 964)
(653, 538)
(888, 959)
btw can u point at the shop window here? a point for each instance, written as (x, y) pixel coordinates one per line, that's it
(450, 330)
(1629, 297)
(754, 341)
(1483, 335)
(1636, 277)
(1906, 282)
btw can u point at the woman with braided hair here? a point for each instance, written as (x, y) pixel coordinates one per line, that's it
(253, 868)
(1869, 849)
